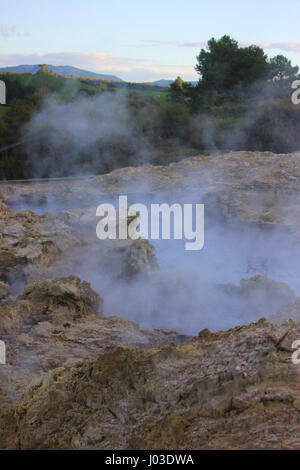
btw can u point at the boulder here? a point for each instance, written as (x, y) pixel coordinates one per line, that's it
(260, 293)
(137, 257)
(261, 283)
(30, 239)
(62, 299)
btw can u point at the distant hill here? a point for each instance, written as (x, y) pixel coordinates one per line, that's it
(167, 83)
(63, 70)
(162, 82)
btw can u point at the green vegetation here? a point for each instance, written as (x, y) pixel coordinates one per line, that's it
(161, 97)
(242, 101)
(3, 110)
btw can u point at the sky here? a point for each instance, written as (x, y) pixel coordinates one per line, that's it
(138, 40)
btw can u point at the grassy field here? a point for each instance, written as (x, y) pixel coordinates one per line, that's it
(160, 96)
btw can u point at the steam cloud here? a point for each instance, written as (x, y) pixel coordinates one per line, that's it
(189, 293)
(87, 134)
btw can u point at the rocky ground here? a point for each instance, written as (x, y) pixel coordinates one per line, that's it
(255, 186)
(78, 379)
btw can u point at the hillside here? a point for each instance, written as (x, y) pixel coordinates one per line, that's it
(63, 70)
(69, 70)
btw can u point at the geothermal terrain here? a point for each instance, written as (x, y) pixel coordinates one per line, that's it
(141, 344)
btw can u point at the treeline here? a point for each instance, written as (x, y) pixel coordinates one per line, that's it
(241, 102)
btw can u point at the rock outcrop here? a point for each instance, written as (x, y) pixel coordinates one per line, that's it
(229, 390)
(261, 293)
(34, 247)
(255, 187)
(58, 322)
(29, 238)
(61, 300)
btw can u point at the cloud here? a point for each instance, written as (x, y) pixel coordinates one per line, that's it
(127, 68)
(9, 31)
(172, 43)
(6, 31)
(283, 46)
